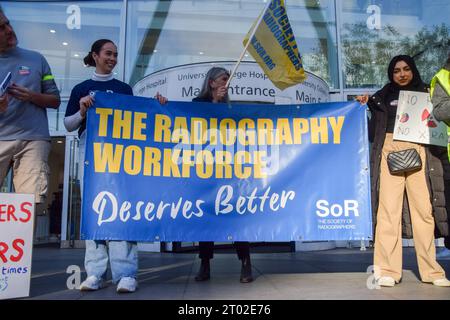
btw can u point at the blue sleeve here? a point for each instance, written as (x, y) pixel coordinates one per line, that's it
(73, 106)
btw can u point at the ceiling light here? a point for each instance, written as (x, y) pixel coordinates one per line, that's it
(65, 44)
(52, 31)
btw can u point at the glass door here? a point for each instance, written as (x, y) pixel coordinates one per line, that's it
(72, 195)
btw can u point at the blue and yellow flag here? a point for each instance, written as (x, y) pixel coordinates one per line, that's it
(274, 47)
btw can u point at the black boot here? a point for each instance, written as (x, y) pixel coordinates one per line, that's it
(246, 270)
(203, 273)
(447, 242)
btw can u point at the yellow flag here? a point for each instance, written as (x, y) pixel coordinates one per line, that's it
(274, 47)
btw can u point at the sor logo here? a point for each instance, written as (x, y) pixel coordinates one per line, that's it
(324, 209)
(3, 284)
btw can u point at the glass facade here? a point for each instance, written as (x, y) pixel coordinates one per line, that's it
(165, 34)
(348, 43)
(372, 32)
(63, 32)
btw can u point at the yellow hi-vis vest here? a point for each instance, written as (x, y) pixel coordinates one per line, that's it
(443, 77)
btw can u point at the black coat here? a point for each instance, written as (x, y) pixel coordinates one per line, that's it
(437, 170)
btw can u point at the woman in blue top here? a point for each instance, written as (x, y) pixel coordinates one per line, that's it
(122, 254)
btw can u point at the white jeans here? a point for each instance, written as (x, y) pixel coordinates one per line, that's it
(123, 255)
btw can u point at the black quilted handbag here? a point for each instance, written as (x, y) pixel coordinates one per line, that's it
(404, 161)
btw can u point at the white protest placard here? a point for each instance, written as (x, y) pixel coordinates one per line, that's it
(415, 121)
(16, 243)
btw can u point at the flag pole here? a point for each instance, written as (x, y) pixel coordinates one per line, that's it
(248, 43)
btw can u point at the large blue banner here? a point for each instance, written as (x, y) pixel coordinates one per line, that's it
(217, 172)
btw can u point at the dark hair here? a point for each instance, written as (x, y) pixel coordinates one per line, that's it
(417, 79)
(96, 47)
(213, 74)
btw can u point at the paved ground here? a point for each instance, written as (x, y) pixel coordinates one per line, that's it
(333, 274)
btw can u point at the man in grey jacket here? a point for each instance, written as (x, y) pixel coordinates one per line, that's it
(24, 133)
(440, 97)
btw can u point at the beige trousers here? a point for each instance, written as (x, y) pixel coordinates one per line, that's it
(388, 233)
(29, 161)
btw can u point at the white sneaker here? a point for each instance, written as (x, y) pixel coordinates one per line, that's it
(126, 285)
(443, 254)
(92, 283)
(441, 282)
(386, 281)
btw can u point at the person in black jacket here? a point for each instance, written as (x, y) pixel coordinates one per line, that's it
(214, 90)
(422, 198)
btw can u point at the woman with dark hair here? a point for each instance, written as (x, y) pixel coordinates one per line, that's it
(440, 97)
(214, 90)
(123, 255)
(421, 216)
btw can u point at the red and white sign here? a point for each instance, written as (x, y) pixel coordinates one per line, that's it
(415, 121)
(16, 243)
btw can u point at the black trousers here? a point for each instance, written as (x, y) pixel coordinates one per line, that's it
(207, 249)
